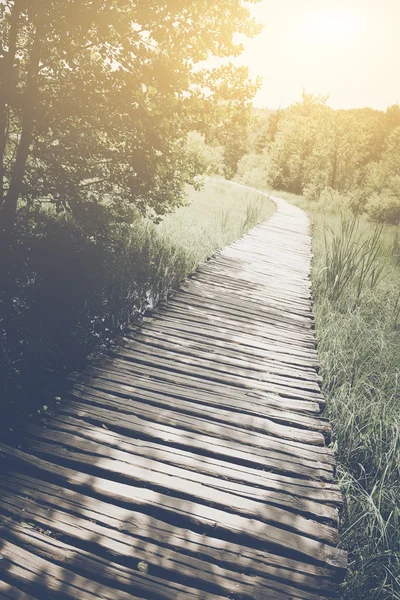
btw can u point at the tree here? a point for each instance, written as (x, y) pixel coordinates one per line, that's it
(96, 98)
(226, 94)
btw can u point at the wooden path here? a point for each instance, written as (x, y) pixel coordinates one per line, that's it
(191, 464)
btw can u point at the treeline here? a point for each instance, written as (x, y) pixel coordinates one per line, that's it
(97, 102)
(338, 159)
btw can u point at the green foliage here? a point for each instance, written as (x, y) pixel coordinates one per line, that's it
(227, 112)
(95, 106)
(82, 283)
(359, 350)
(339, 160)
(350, 258)
(384, 207)
(202, 158)
(253, 170)
(358, 323)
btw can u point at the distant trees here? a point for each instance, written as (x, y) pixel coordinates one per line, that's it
(341, 158)
(96, 98)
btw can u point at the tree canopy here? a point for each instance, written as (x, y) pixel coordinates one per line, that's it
(343, 159)
(96, 98)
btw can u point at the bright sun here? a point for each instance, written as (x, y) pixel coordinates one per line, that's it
(332, 25)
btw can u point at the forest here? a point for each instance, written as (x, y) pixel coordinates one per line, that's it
(118, 149)
(337, 159)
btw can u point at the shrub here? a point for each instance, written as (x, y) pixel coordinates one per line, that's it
(384, 208)
(75, 285)
(73, 290)
(253, 170)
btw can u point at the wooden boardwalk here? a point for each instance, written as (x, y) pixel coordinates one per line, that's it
(191, 464)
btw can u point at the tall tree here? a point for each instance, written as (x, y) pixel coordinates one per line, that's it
(96, 98)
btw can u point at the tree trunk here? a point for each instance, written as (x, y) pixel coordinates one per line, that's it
(9, 207)
(6, 76)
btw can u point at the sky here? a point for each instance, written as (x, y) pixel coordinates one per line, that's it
(347, 49)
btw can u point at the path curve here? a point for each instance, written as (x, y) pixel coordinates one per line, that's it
(192, 462)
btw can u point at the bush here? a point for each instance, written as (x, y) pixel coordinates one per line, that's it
(74, 286)
(384, 208)
(253, 170)
(203, 158)
(72, 290)
(326, 199)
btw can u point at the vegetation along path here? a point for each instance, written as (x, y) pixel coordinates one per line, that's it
(192, 462)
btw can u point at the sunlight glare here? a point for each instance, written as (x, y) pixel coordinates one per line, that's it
(332, 26)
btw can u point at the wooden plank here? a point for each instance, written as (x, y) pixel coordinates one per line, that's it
(239, 340)
(98, 445)
(286, 541)
(217, 289)
(247, 404)
(232, 322)
(318, 491)
(221, 351)
(103, 407)
(183, 385)
(284, 431)
(123, 531)
(225, 409)
(180, 483)
(252, 339)
(237, 345)
(203, 359)
(162, 562)
(48, 576)
(243, 311)
(10, 592)
(228, 282)
(130, 360)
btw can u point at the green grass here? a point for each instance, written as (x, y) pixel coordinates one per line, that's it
(110, 274)
(215, 216)
(356, 283)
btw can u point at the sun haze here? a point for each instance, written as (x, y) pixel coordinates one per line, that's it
(349, 50)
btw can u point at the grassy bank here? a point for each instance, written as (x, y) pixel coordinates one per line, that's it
(356, 284)
(80, 286)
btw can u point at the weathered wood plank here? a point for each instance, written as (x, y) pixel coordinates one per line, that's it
(237, 525)
(284, 431)
(153, 587)
(203, 462)
(103, 407)
(129, 533)
(239, 339)
(155, 462)
(200, 358)
(221, 408)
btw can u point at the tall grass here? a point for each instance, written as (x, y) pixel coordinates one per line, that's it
(75, 290)
(356, 283)
(214, 218)
(356, 287)
(351, 257)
